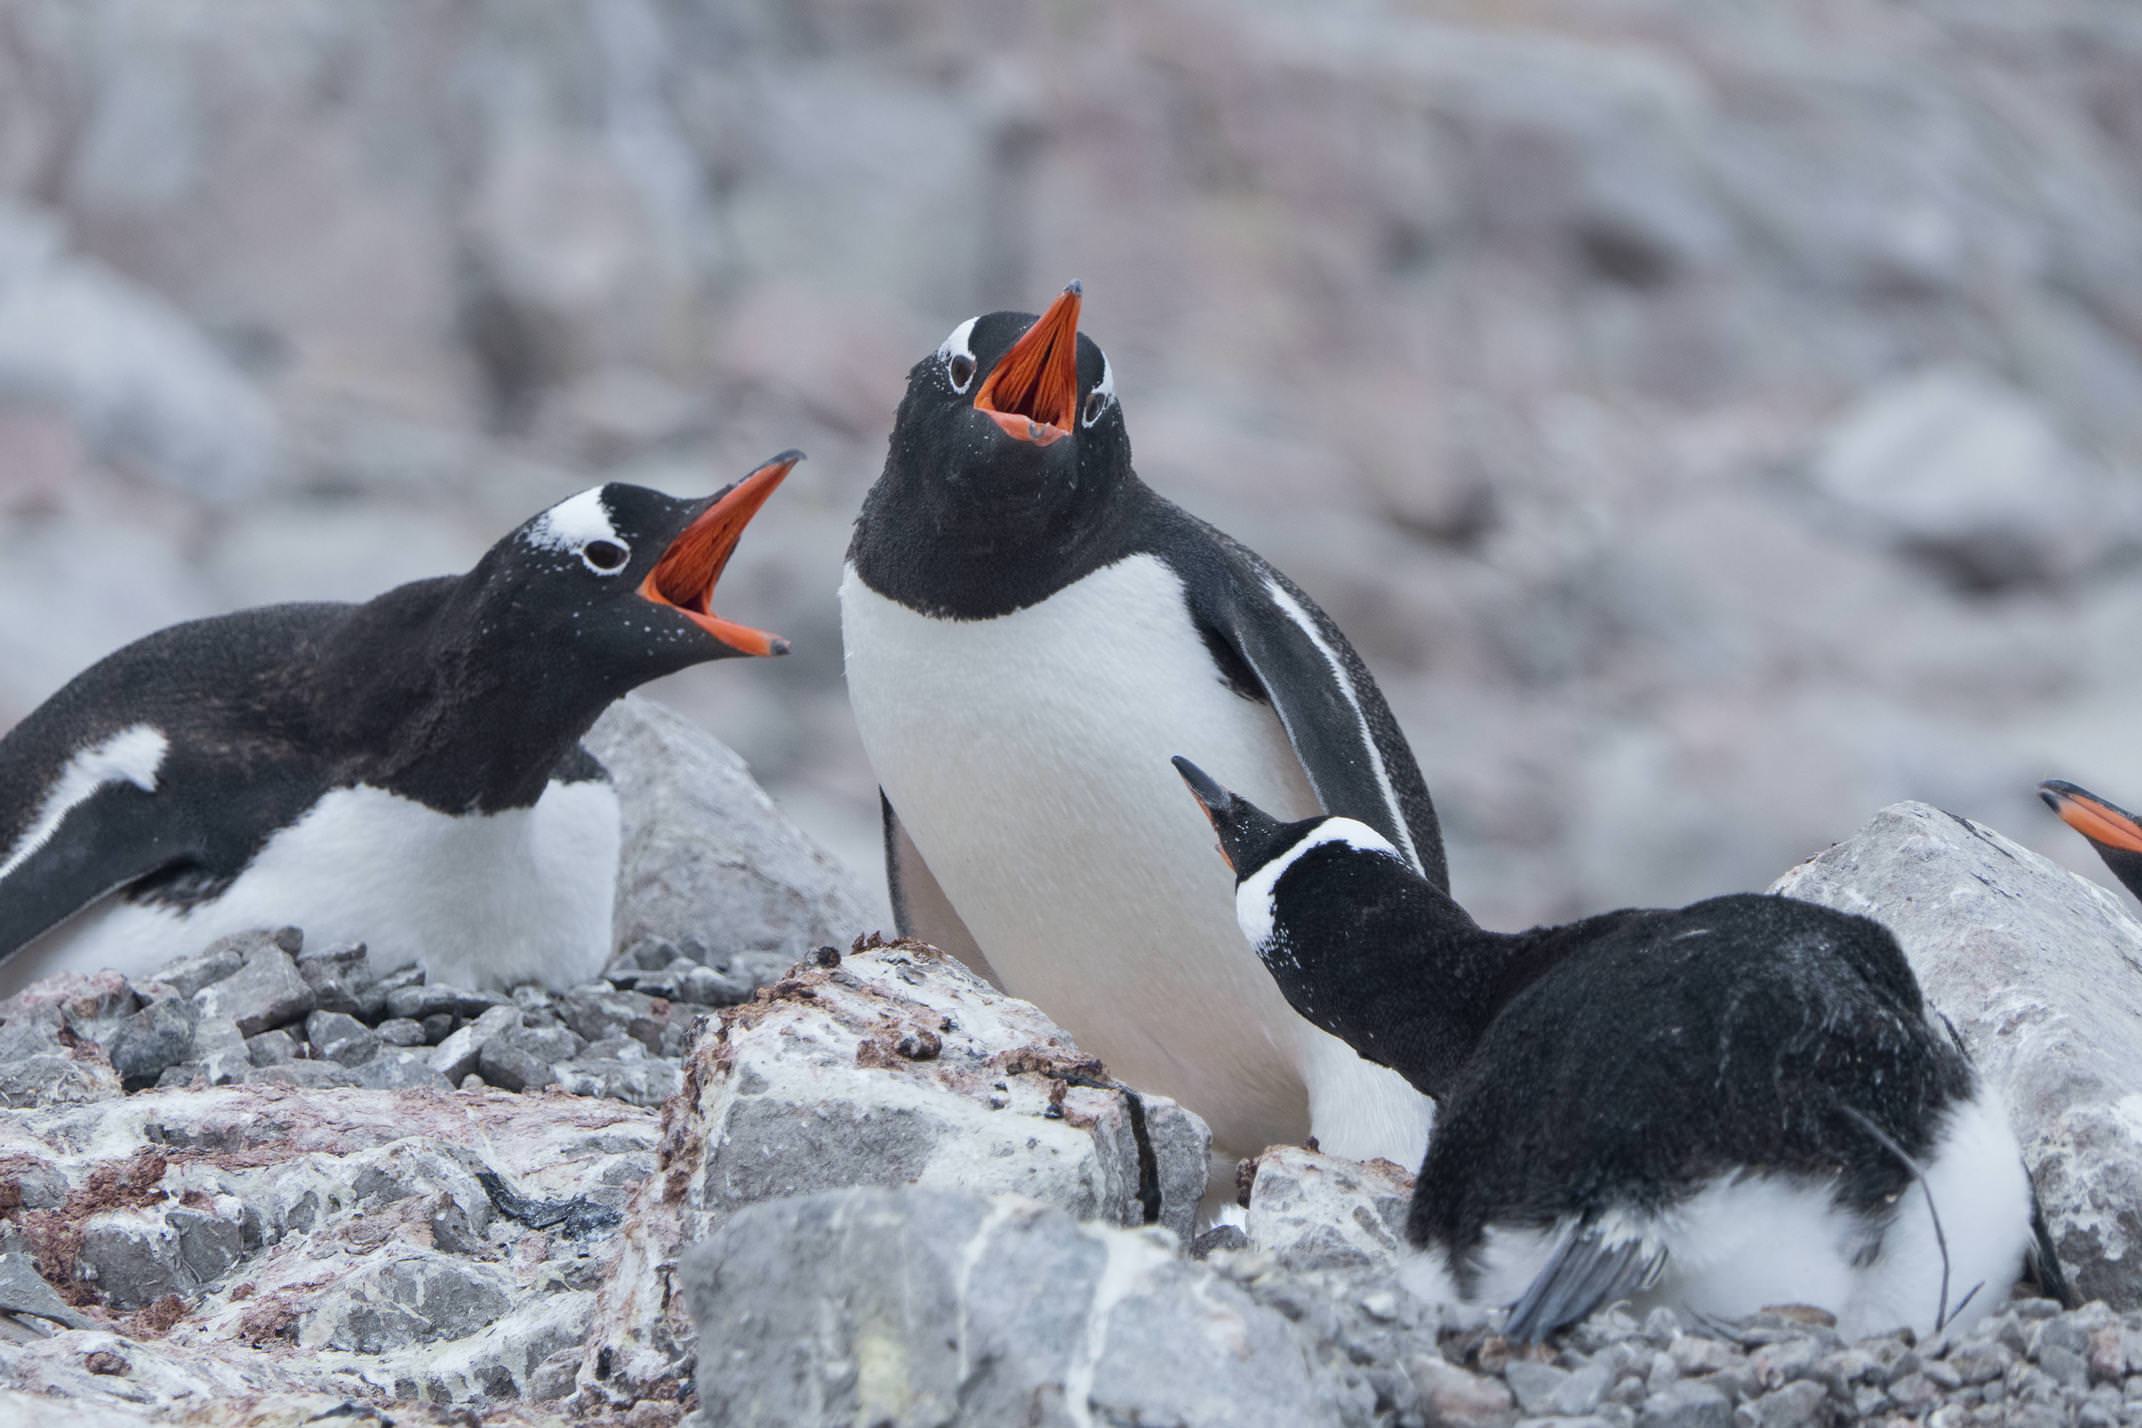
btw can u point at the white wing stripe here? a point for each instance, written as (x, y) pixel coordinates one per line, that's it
(133, 755)
(1293, 610)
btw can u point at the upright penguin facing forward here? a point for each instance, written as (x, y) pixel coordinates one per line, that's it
(1739, 1103)
(1030, 631)
(406, 773)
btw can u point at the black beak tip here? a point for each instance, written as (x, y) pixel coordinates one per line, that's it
(777, 646)
(786, 458)
(2055, 791)
(1208, 792)
(1075, 288)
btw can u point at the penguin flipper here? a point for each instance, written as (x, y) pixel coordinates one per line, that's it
(1335, 718)
(1586, 1271)
(116, 836)
(920, 908)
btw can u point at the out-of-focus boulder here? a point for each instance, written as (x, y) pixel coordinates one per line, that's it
(707, 859)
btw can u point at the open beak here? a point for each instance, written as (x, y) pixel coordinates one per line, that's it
(1032, 392)
(1217, 802)
(685, 577)
(2106, 824)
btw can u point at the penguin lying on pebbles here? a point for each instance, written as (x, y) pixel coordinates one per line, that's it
(1030, 631)
(2111, 829)
(1740, 1103)
(406, 773)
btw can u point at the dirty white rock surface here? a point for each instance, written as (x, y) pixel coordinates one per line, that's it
(1309, 1210)
(891, 1065)
(2041, 971)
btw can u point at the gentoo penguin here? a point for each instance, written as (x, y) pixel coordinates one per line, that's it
(405, 773)
(1030, 631)
(2111, 829)
(1739, 1103)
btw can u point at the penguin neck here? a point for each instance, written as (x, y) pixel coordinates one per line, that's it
(967, 550)
(446, 702)
(1459, 972)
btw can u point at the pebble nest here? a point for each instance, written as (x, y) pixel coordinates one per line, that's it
(2029, 1365)
(268, 1007)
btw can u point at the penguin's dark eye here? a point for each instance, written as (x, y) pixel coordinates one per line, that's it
(1096, 403)
(960, 368)
(604, 557)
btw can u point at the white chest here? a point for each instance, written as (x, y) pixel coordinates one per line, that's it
(482, 901)
(1028, 757)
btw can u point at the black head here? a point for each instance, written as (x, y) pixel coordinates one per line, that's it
(1008, 458)
(2111, 829)
(615, 586)
(1345, 926)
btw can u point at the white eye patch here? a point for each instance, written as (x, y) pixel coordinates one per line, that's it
(572, 523)
(1103, 394)
(956, 354)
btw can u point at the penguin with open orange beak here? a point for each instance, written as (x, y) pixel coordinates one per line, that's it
(1031, 631)
(2111, 829)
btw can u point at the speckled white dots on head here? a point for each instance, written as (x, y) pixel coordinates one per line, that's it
(572, 523)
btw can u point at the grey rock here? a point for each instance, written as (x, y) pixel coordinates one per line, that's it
(24, 1291)
(1966, 472)
(316, 1075)
(1537, 1386)
(812, 1093)
(601, 1011)
(338, 976)
(640, 1082)
(525, 1058)
(429, 999)
(1686, 1404)
(1451, 1396)
(455, 1057)
(38, 1069)
(2035, 966)
(189, 974)
(141, 384)
(399, 1031)
(220, 1054)
(705, 850)
(338, 1036)
(158, 1036)
(400, 1069)
(265, 992)
(989, 1307)
(437, 1027)
(271, 1048)
(1796, 1405)
(1312, 1210)
(418, 1298)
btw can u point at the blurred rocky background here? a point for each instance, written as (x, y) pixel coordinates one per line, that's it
(1712, 421)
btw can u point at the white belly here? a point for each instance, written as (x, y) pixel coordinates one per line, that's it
(1028, 758)
(481, 901)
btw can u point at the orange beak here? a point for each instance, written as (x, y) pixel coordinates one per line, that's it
(2105, 824)
(685, 577)
(1032, 392)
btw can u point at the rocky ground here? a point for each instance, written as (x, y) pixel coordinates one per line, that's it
(1704, 416)
(769, 1174)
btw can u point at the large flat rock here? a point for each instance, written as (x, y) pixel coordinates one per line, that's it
(2041, 972)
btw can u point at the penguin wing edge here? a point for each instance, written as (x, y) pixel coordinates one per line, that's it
(1332, 713)
(1587, 1270)
(115, 836)
(920, 907)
